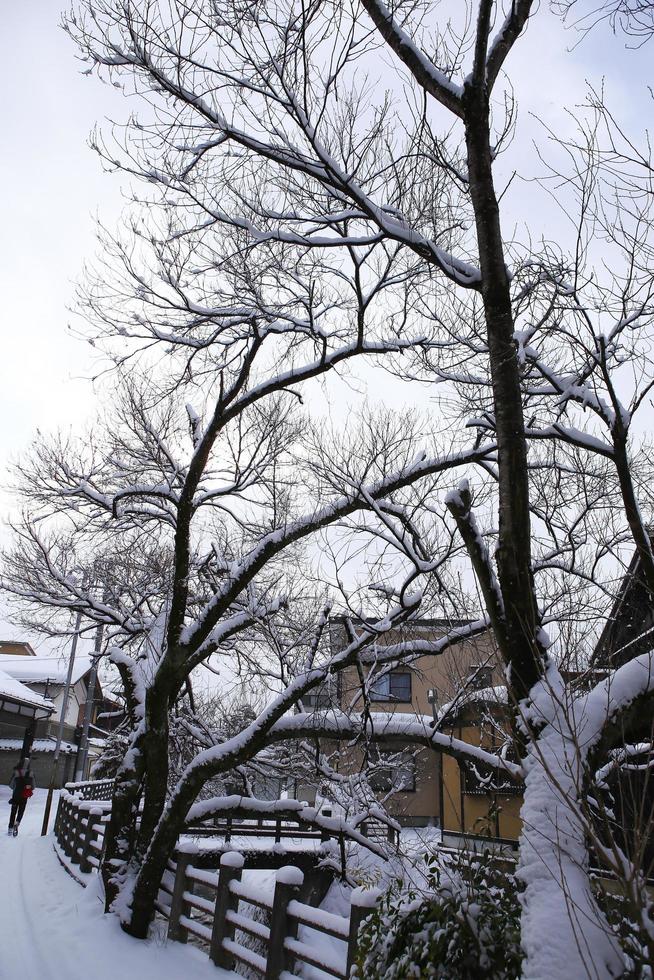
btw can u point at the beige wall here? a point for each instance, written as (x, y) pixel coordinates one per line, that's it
(445, 673)
(468, 813)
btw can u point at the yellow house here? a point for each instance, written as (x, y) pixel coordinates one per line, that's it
(425, 787)
(478, 805)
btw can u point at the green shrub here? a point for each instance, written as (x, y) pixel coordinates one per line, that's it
(464, 926)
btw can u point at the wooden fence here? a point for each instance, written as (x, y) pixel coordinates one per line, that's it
(205, 902)
(207, 906)
(272, 827)
(79, 829)
(92, 789)
(227, 827)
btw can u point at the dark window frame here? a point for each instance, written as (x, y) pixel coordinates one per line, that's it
(391, 696)
(481, 779)
(382, 781)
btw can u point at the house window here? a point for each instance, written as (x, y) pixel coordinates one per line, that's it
(392, 771)
(321, 697)
(395, 686)
(481, 677)
(480, 779)
(314, 702)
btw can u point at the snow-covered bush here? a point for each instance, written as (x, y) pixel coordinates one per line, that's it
(465, 925)
(634, 926)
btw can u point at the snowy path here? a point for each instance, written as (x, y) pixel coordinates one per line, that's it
(52, 928)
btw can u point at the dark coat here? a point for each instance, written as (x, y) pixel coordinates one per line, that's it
(20, 779)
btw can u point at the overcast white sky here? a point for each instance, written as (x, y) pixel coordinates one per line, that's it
(51, 186)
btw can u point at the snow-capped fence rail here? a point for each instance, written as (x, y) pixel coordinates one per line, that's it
(92, 789)
(78, 800)
(275, 827)
(220, 923)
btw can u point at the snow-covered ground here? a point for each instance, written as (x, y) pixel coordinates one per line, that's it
(53, 929)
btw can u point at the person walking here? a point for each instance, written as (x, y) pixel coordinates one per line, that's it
(22, 784)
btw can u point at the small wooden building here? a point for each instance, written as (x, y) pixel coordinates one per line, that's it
(45, 679)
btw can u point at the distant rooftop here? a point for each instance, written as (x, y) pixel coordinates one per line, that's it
(38, 670)
(16, 648)
(12, 690)
(38, 745)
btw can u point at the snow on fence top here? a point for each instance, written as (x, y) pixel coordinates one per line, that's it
(298, 933)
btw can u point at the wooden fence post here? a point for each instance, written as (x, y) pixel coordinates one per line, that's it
(231, 868)
(287, 886)
(178, 906)
(103, 827)
(84, 863)
(57, 822)
(363, 903)
(79, 827)
(64, 826)
(69, 827)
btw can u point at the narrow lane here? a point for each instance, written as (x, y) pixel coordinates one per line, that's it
(53, 929)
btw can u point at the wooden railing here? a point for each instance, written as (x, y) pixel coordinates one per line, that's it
(227, 827)
(79, 829)
(274, 827)
(79, 802)
(215, 919)
(206, 902)
(92, 789)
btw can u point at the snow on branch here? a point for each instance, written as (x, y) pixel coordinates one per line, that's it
(276, 541)
(248, 806)
(432, 79)
(514, 23)
(459, 503)
(392, 728)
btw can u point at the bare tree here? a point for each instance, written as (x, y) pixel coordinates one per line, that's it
(189, 519)
(301, 222)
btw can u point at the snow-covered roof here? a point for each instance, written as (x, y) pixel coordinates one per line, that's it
(97, 743)
(38, 670)
(38, 745)
(13, 690)
(483, 695)
(498, 694)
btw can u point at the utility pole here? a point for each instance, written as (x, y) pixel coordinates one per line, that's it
(62, 721)
(83, 751)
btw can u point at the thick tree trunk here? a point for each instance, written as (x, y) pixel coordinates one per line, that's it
(153, 864)
(514, 548)
(155, 751)
(554, 861)
(122, 827)
(632, 510)
(144, 774)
